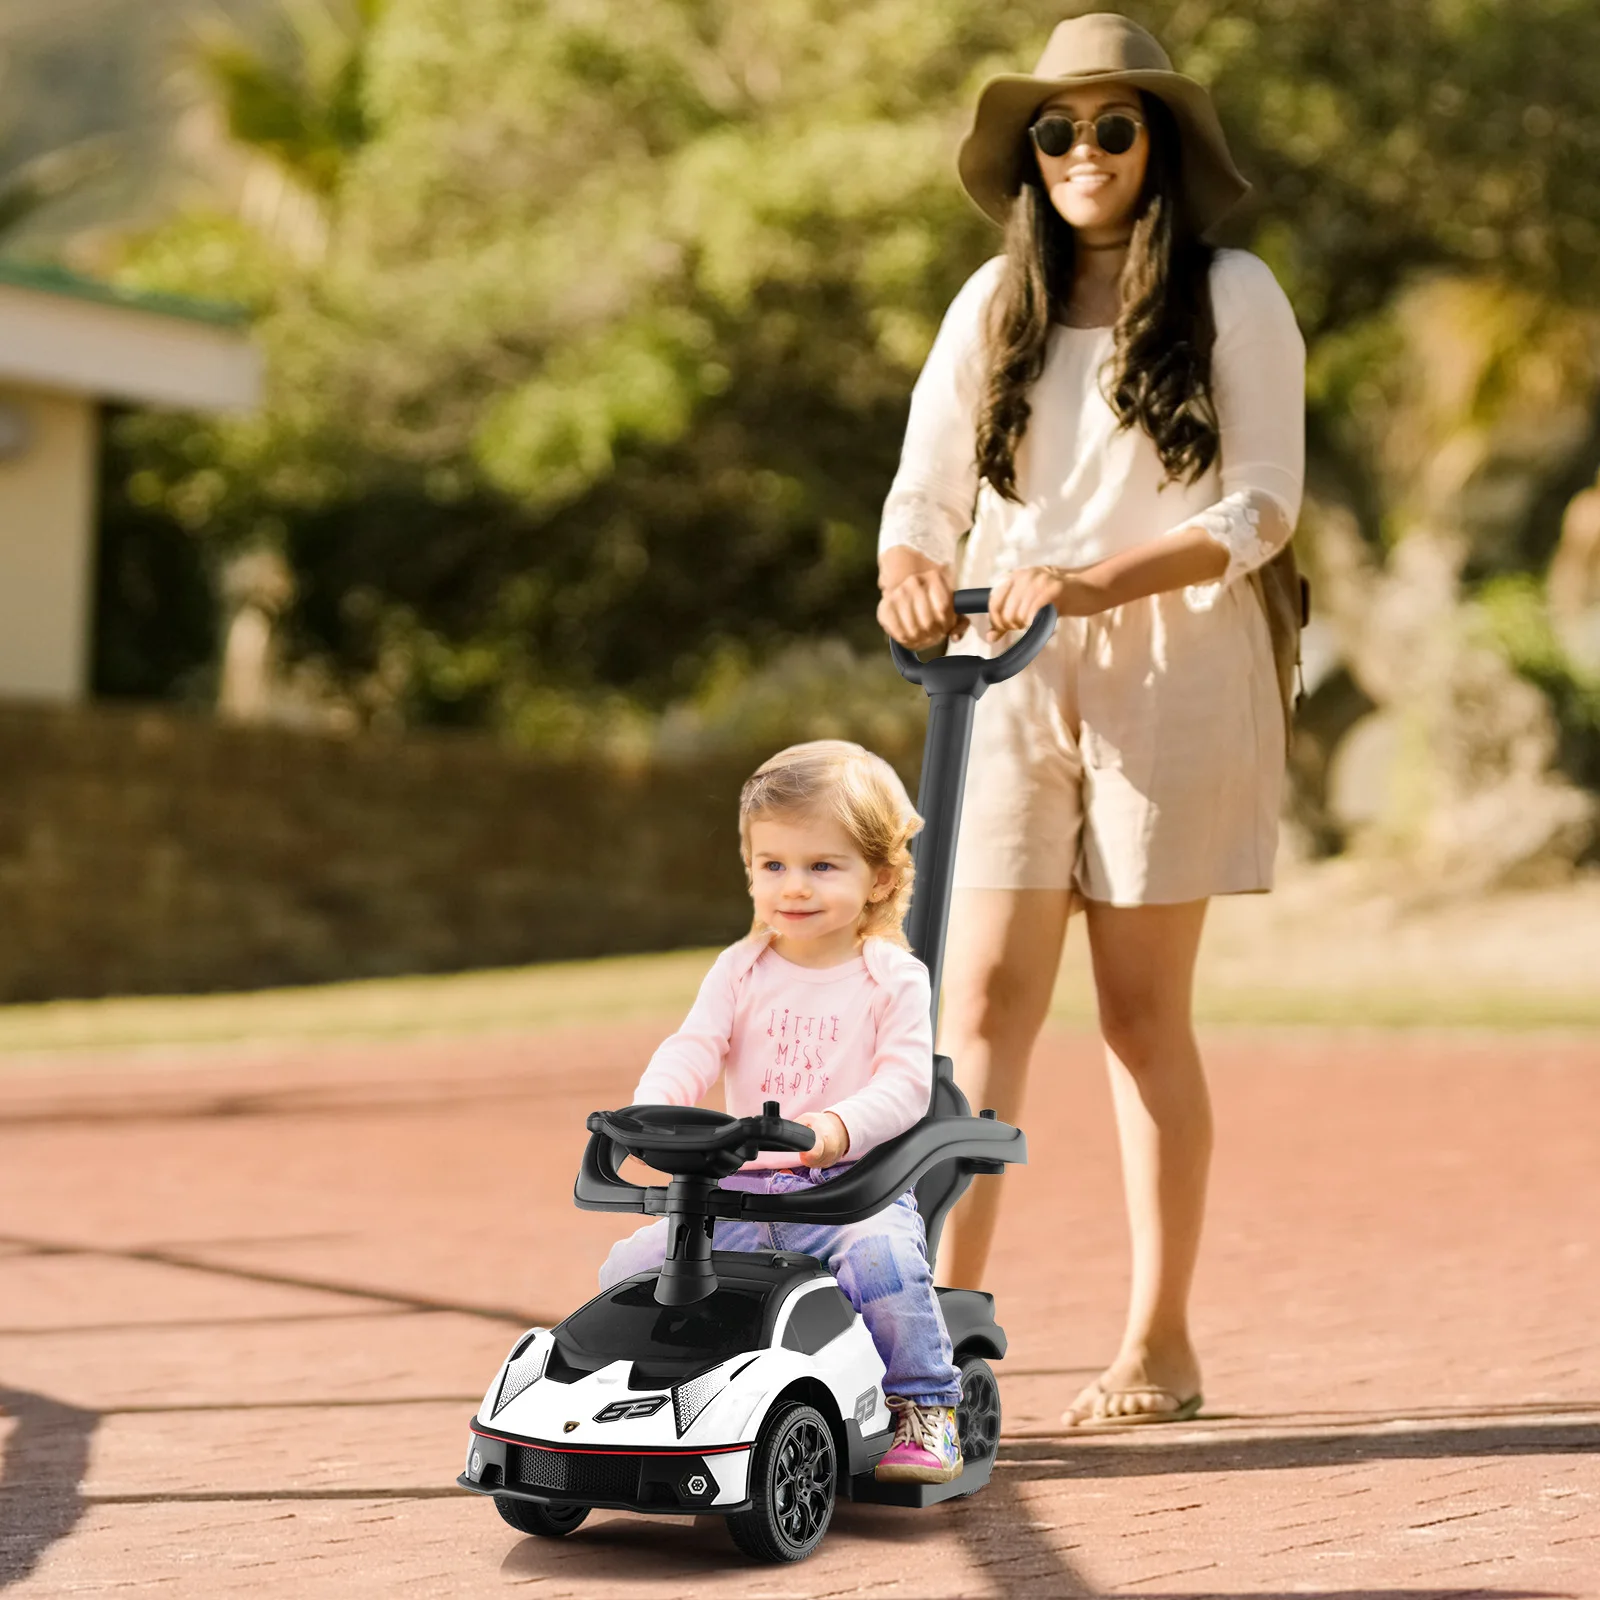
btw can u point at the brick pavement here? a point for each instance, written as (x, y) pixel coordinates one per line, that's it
(248, 1300)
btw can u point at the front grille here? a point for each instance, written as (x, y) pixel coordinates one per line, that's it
(582, 1475)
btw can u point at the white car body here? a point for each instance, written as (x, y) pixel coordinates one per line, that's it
(714, 1416)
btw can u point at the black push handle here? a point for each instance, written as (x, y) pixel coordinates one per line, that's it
(971, 602)
(953, 684)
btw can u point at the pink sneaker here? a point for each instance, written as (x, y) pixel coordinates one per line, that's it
(926, 1449)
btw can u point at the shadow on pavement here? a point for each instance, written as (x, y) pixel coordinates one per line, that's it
(393, 1300)
(1010, 1555)
(623, 1548)
(1034, 1460)
(157, 1108)
(46, 1457)
(996, 1528)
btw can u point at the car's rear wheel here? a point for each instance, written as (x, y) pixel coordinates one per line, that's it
(978, 1415)
(548, 1522)
(792, 1473)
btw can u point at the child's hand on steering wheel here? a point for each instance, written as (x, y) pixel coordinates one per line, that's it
(833, 1138)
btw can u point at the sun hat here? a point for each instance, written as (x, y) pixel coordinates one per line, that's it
(1088, 52)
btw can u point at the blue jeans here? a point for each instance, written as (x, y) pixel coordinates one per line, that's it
(881, 1265)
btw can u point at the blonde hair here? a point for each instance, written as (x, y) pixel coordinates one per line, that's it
(863, 793)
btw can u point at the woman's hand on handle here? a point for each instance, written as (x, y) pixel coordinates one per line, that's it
(917, 609)
(1017, 598)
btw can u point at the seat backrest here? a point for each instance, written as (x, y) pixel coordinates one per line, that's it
(940, 1187)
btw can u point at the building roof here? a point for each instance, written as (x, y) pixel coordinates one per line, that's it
(51, 279)
(65, 332)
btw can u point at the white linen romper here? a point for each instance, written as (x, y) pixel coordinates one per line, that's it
(1140, 759)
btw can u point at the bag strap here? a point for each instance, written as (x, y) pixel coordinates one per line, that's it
(1285, 598)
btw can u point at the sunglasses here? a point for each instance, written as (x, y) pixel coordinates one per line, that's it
(1115, 133)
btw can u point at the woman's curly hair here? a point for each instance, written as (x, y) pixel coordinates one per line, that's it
(1159, 376)
(860, 791)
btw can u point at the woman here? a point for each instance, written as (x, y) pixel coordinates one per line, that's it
(1113, 412)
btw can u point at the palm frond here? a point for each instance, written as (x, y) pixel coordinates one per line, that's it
(36, 184)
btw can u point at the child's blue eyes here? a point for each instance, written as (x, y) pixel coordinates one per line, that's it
(816, 866)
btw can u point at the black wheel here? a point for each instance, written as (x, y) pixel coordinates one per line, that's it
(791, 1487)
(978, 1415)
(529, 1516)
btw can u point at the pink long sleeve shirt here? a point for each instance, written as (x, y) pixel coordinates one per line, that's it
(855, 1039)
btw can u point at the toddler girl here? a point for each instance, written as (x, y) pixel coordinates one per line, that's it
(824, 1009)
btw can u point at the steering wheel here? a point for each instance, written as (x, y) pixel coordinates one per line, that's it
(690, 1141)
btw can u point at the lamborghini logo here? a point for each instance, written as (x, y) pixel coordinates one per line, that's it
(567, 1427)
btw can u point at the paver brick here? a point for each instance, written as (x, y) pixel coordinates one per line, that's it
(248, 1300)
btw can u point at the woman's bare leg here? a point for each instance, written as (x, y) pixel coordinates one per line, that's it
(999, 972)
(1144, 976)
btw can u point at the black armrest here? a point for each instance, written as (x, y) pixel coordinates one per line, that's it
(981, 1144)
(599, 1188)
(884, 1174)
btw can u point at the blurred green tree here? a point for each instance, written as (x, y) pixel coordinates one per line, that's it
(601, 371)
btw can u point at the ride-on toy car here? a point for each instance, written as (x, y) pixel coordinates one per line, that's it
(745, 1384)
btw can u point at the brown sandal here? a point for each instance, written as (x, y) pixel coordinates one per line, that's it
(1176, 1411)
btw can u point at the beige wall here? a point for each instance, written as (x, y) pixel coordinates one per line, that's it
(46, 544)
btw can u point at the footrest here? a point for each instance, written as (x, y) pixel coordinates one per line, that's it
(866, 1489)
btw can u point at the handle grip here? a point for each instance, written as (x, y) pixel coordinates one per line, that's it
(981, 670)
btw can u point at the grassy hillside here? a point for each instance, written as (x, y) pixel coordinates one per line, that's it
(1325, 950)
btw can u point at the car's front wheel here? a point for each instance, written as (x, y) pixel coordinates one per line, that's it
(548, 1522)
(792, 1473)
